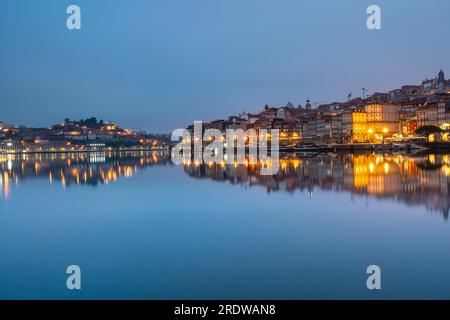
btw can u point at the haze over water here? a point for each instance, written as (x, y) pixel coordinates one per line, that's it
(141, 227)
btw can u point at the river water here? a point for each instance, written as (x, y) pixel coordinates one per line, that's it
(140, 227)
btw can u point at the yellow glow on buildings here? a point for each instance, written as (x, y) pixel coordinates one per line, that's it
(383, 120)
(354, 125)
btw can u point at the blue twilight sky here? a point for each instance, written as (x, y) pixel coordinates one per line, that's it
(160, 64)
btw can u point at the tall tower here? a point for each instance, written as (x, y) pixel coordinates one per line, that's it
(308, 105)
(441, 75)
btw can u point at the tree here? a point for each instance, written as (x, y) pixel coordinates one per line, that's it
(427, 130)
(91, 122)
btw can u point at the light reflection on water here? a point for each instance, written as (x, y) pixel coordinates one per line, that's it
(141, 227)
(411, 179)
(75, 168)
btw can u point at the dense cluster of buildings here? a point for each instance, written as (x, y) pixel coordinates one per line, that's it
(394, 115)
(88, 134)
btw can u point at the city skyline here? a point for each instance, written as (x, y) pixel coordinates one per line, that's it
(217, 68)
(249, 111)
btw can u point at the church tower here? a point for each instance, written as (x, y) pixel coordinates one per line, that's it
(308, 105)
(441, 75)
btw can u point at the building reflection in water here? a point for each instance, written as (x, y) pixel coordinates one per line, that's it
(76, 168)
(413, 180)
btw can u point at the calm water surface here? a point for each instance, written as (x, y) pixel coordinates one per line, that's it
(141, 227)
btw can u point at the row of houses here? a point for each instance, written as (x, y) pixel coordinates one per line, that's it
(374, 121)
(397, 113)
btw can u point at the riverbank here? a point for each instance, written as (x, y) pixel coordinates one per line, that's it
(311, 148)
(369, 147)
(81, 151)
